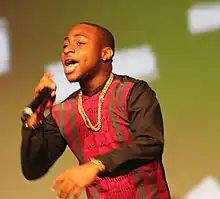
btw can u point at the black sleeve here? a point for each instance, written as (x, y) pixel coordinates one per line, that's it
(146, 125)
(40, 148)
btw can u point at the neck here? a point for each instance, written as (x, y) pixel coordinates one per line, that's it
(96, 81)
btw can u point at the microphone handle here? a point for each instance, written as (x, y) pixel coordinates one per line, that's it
(35, 103)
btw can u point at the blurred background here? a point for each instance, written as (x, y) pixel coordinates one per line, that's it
(174, 45)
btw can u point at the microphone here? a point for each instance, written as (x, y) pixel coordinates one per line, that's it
(35, 103)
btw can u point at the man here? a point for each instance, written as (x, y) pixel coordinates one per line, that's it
(113, 125)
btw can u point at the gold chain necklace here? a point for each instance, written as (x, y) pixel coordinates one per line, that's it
(87, 121)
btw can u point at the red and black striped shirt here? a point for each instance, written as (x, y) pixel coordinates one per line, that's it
(130, 143)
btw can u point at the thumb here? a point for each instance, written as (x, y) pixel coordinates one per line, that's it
(58, 180)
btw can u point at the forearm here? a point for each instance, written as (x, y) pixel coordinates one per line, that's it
(34, 155)
(40, 148)
(137, 150)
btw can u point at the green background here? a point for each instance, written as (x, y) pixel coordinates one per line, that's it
(188, 86)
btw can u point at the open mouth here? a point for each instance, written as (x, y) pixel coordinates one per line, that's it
(70, 65)
(70, 62)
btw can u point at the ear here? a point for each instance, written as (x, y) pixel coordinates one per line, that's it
(107, 54)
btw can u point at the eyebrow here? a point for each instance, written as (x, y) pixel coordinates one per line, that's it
(79, 35)
(76, 35)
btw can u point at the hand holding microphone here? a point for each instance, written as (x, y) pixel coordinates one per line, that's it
(44, 96)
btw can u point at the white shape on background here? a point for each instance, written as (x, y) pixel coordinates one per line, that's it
(64, 88)
(204, 17)
(4, 47)
(207, 189)
(139, 62)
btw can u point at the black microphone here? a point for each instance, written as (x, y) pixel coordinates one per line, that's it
(33, 106)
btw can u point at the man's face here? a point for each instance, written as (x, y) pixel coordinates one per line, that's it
(81, 52)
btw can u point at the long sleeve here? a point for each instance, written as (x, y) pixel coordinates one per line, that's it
(146, 125)
(40, 148)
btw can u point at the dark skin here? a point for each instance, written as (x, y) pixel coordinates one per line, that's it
(86, 60)
(83, 45)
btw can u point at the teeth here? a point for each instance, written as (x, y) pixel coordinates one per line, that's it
(71, 67)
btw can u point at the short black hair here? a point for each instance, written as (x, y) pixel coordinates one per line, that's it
(105, 34)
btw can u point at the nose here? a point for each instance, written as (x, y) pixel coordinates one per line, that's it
(68, 50)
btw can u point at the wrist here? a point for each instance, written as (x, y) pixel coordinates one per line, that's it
(34, 121)
(98, 165)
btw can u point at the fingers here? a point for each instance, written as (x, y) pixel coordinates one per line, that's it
(46, 81)
(57, 181)
(53, 93)
(67, 188)
(64, 190)
(48, 75)
(76, 190)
